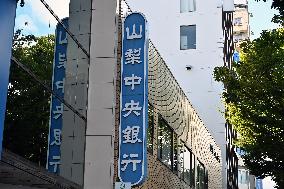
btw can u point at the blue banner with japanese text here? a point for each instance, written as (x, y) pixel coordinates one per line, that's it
(132, 163)
(56, 109)
(7, 15)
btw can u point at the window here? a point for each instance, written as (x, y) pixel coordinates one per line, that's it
(238, 21)
(187, 6)
(200, 177)
(150, 130)
(192, 176)
(167, 145)
(188, 37)
(238, 38)
(206, 179)
(187, 165)
(243, 176)
(175, 153)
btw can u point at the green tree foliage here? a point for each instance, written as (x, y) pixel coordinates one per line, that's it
(28, 103)
(254, 99)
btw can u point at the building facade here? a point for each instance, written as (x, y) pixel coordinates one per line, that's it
(241, 28)
(245, 179)
(181, 151)
(190, 36)
(241, 23)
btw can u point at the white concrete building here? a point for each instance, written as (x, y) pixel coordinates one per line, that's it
(189, 36)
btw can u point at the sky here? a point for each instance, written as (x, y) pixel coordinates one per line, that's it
(262, 15)
(35, 19)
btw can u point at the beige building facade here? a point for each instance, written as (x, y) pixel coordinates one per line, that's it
(241, 25)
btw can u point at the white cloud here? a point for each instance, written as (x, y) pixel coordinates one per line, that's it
(60, 7)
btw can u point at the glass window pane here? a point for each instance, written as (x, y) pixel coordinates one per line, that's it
(187, 162)
(175, 152)
(181, 159)
(150, 130)
(188, 37)
(247, 177)
(206, 179)
(192, 169)
(200, 179)
(183, 6)
(192, 6)
(165, 145)
(187, 6)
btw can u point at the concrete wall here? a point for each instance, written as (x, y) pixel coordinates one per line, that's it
(75, 92)
(101, 99)
(203, 92)
(87, 148)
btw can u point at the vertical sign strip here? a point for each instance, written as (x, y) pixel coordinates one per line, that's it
(132, 163)
(7, 15)
(56, 109)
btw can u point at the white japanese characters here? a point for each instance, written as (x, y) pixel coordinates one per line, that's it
(55, 163)
(57, 137)
(58, 112)
(125, 162)
(62, 60)
(132, 56)
(62, 41)
(132, 107)
(133, 113)
(54, 155)
(132, 81)
(130, 134)
(134, 35)
(60, 85)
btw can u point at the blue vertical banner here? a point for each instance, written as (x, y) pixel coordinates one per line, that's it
(56, 109)
(7, 16)
(132, 163)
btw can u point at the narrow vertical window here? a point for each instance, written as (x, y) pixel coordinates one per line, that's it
(187, 6)
(186, 161)
(200, 179)
(150, 130)
(206, 179)
(188, 37)
(175, 152)
(165, 143)
(192, 170)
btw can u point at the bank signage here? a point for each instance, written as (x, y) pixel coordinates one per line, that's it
(132, 163)
(7, 15)
(56, 109)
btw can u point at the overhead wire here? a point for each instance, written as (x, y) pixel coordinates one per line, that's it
(43, 84)
(66, 29)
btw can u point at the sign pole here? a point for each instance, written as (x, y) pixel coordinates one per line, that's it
(7, 16)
